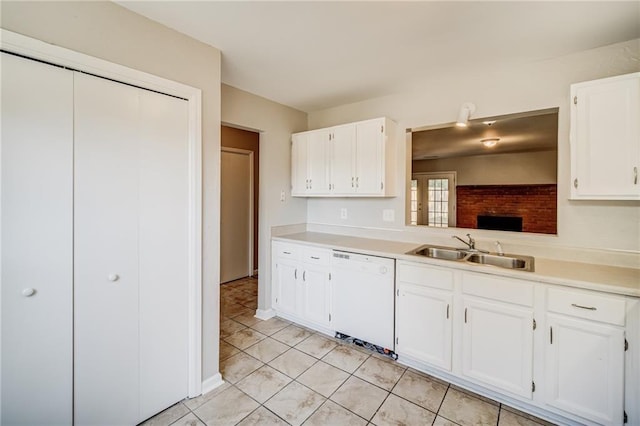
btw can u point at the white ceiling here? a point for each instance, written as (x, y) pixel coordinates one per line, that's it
(316, 55)
(529, 131)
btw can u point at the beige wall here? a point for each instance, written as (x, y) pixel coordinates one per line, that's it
(275, 123)
(495, 91)
(108, 31)
(499, 169)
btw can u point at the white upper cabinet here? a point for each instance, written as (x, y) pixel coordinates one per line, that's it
(372, 153)
(358, 160)
(309, 156)
(605, 139)
(343, 159)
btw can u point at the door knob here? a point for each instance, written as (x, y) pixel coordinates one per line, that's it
(28, 292)
(113, 277)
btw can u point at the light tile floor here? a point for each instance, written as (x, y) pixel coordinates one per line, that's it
(279, 373)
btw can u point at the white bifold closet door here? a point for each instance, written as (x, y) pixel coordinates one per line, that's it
(94, 255)
(130, 252)
(36, 231)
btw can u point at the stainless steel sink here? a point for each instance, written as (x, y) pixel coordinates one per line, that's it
(436, 252)
(507, 261)
(524, 263)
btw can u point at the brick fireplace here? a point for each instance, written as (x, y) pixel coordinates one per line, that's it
(534, 204)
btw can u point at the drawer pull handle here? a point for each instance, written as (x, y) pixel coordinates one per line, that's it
(590, 308)
(447, 311)
(465, 315)
(286, 252)
(315, 258)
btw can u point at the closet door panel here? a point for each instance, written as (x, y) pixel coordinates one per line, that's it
(106, 252)
(36, 235)
(163, 244)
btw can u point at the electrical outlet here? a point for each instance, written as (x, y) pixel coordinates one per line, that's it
(343, 213)
(281, 195)
(388, 215)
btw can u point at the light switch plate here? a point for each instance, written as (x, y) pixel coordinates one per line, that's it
(343, 213)
(388, 215)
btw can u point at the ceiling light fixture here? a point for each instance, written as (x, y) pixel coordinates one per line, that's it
(489, 123)
(489, 142)
(466, 110)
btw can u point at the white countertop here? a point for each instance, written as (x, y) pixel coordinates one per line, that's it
(611, 279)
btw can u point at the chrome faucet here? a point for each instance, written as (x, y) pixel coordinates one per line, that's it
(471, 244)
(499, 249)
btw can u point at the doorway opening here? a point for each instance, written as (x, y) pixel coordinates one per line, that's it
(239, 197)
(433, 199)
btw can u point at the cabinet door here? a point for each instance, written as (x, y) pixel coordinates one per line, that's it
(315, 287)
(423, 324)
(343, 151)
(497, 345)
(36, 175)
(585, 368)
(285, 277)
(369, 157)
(317, 162)
(605, 138)
(299, 164)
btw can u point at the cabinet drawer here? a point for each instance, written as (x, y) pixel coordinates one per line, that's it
(585, 304)
(510, 290)
(316, 256)
(425, 275)
(286, 251)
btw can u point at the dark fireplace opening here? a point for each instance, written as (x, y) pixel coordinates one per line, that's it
(500, 223)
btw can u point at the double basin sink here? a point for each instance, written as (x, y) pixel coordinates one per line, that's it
(507, 261)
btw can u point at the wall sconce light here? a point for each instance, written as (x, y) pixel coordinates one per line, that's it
(466, 110)
(489, 142)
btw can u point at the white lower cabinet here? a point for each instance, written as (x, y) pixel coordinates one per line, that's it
(497, 332)
(584, 358)
(285, 277)
(497, 345)
(316, 295)
(424, 312)
(423, 324)
(570, 364)
(301, 284)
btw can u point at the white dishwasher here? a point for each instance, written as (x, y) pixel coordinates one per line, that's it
(362, 298)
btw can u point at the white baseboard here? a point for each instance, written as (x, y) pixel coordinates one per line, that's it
(211, 383)
(265, 314)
